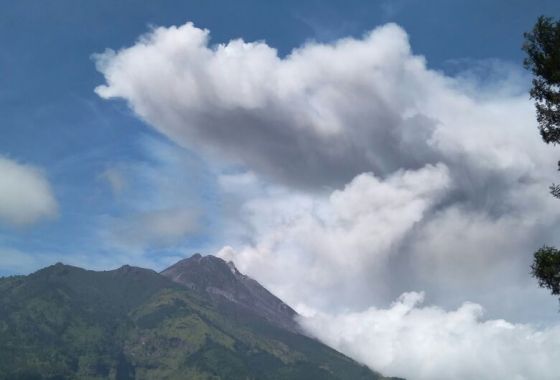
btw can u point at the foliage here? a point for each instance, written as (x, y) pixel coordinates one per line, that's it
(542, 46)
(546, 268)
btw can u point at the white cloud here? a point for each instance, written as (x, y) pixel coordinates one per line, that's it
(25, 194)
(429, 343)
(325, 117)
(329, 112)
(368, 175)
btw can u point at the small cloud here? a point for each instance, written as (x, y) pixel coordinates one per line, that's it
(115, 178)
(25, 194)
(155, 228)
(14, 262)
(392, 8)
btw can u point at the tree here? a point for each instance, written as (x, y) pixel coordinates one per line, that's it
(546, 268)
(542, 46)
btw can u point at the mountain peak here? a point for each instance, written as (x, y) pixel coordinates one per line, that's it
(57, 270)
(132, 270)
(226, 284)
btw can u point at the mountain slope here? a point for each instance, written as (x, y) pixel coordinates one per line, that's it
(64, 322)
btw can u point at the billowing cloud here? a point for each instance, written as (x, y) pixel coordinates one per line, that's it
(318, 250)
(324, 116)
(25, 194)
(328, 112)
(362, 174)
(429, 343)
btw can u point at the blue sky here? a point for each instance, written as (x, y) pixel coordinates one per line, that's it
(51, 117)
(373, 163)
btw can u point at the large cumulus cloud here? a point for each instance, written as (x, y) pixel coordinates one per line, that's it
(326, 112)
(364, 175)
(323, 115)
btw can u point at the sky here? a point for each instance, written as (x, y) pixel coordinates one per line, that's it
(376, 164)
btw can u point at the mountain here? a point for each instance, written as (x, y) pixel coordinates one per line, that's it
(225, 284)
(199, 319)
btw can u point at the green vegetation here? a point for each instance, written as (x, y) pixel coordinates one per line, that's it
(546, 268)
(542, 46)
(64, 322)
